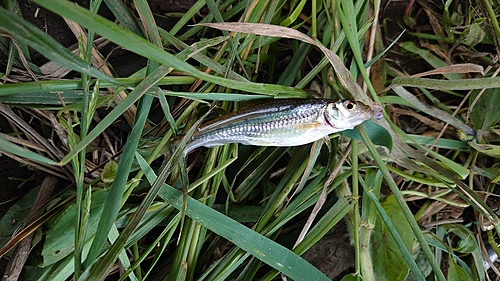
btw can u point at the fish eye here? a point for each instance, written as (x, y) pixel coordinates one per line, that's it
(350, 105)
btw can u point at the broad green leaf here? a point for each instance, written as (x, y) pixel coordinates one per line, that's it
(442, 246)
(409, 217)
(455, 272)
(423, 265)
(467, 243)
(60, 239)
(485, 112)
(378, 134)
(12, 219)
(388, 263)
(258, 245)
(59, 271)
(349, 277)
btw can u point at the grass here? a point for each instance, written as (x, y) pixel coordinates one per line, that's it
(394, 184)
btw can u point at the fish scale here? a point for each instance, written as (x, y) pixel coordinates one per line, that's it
(282, 123)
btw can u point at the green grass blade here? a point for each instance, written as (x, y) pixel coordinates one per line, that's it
(441, 143)
(114, 199)
(430, 58)
(261, 247)
(395, 235)
(112, 205)
(9, 147)
(216, 96)
(320, 229)
(48, 87)
(195, 8)
(46, 45)
(139, 91)
(142, 47)
(99, 268)
(406, 211)
(124, 15)
(326, 223)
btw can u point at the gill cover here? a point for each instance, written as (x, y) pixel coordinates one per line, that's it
(347, 114)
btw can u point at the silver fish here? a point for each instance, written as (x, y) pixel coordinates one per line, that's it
(284, 123)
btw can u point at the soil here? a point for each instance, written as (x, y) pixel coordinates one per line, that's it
(333, 254)
(16, 180)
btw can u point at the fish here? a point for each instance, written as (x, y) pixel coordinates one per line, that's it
(291, 122)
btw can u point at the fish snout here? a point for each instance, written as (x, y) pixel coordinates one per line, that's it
(377, 111)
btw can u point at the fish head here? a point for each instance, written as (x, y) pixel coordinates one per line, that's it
(347, 114)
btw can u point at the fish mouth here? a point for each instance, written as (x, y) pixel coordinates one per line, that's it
(328, 121)
(377, 111)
